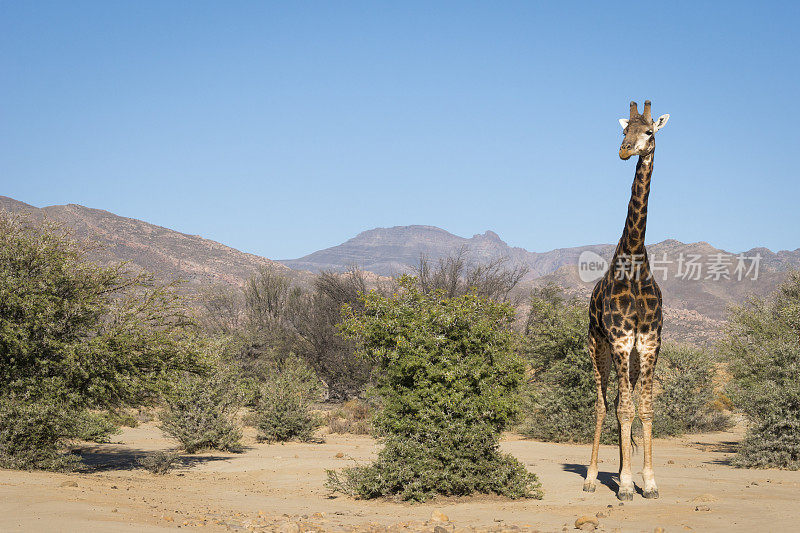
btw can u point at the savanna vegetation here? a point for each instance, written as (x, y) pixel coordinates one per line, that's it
(561, 392)
(77, 338)
(448, 378)
(435, 365)
(762, 349)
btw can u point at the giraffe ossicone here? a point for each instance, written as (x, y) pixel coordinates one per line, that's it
(625, 316)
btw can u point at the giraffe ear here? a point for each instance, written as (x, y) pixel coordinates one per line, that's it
(661, 122)
(623, 122)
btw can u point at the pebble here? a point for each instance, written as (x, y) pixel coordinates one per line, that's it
(339, 455)
(587, 521)
(439, 529)
(288, 527)
(702, 508)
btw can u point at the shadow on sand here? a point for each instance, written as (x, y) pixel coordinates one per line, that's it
(103, 458)
(609, 479)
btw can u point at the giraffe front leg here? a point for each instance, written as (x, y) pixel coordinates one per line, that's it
(649, 355)
(625, 414)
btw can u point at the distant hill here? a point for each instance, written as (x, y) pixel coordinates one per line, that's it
(695, 309)
(168, 254)
(391, 251)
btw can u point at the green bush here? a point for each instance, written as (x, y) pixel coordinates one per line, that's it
(561, 393)
(96, 426)
(762, 349)
(200, 412)
(284, 409)
(76, 336)
(32, 435)
(684, 393)
(447, 379)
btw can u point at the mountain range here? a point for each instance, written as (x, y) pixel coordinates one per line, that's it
(695, 309)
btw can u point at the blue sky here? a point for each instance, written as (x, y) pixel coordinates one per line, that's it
(284, 128)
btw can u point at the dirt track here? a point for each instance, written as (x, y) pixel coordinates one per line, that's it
(280, 488)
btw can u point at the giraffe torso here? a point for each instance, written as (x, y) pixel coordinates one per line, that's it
(625, 307)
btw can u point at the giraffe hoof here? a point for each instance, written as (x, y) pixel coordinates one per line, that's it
(625, 495)
(651, 494)
(589, 487)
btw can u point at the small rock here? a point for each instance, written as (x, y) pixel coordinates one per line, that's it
(702, 508)
(438, 516)
(439, 529)
(621, 504)
(670, 462)
(113, 486)
(114, 510)
(288, 527)
(705, 498)
(584, 520)
(339, 455)
(68, 484)
(601, 514)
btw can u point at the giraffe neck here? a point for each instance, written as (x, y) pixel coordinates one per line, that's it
(632, 241)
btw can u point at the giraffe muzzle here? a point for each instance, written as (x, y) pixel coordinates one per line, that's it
(625, 152)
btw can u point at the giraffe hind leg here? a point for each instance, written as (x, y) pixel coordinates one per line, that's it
(600, 352)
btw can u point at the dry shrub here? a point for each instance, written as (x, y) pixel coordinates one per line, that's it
(354, 417)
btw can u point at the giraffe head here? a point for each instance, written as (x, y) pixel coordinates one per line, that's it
(639, 131)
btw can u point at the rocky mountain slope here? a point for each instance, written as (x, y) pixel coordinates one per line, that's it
(390, 251)
(168, 254)
(696, 302)
(699, 281)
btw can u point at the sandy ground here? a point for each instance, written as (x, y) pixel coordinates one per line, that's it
(280, 488)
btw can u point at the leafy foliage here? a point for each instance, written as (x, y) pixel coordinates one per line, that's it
(32, 433)
(685, 401)
(75, 336)
(763, 352)
(284, 412)
(97, 426)
(560, 400)
(447, 377)
(562, 392)
(200, 412)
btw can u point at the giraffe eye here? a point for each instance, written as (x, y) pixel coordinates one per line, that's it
(649, 132)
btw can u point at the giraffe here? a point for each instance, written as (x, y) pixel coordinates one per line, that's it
(625, 316)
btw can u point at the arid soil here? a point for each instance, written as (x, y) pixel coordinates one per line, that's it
(281, 488)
